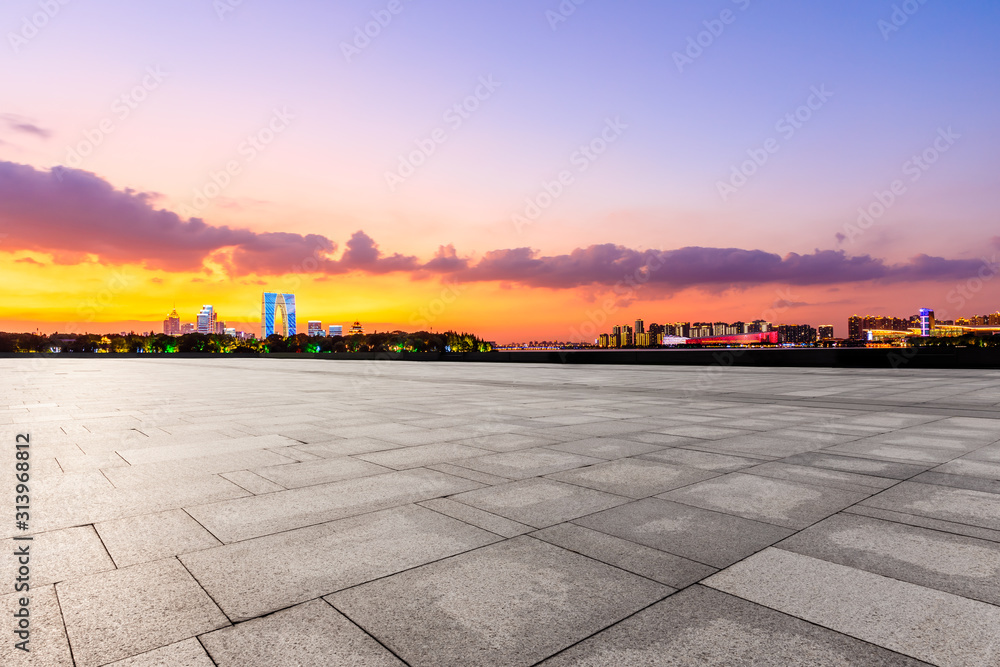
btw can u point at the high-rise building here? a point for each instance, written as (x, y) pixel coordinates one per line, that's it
(206, 320)
(273, 305)
(628, 339)
(796, 333)
(855, 327)
(172, 325)
(825, 331)
(187, 328)
(356, 328)
(336, 330)
(640, 327)
(220, 327)
(315, 328)
(926, 321)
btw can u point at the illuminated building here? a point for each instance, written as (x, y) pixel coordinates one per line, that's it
(825, 331)
(315, 328)
(356, 328)
(187, 328)
(206, 320)
(640, 327)
(796, 333)
(604, 340)
(172, 325)
(336, 330)
(926, 321)
(272, 304)
(762, 338)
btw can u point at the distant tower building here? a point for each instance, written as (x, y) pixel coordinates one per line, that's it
(336, 330)
(206, 320)
(640, 327)
(855, 327)
(926, 321)
(271, 305)
(172, 325)
(187, 328)
(825, 331)
(220, 327)
(356, 328)
(315, 328)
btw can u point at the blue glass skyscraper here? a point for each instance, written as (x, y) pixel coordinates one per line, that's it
(273, 303)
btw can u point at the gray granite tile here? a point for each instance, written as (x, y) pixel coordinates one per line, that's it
(651, 563)
(309, 634)
(320, 471)
(777, 501)
(262, 575)
(512, 603)
(605, 448)
(126, 612)
(477, 517)
(252, 482)
(961, 565)
(527, 463)
(188, 653)
(422, 455)
(539, 502)
(702, 460)
(468, 473)
(958, 481)
(920, 622)
(975, 508)
(55, 556)
(149, 537)
(701, 626)
(47, 644)
(245, 518)
(707, 537)
(985, 469)
(633, 478)
(836, 479)
(857, 465)
(926, 522)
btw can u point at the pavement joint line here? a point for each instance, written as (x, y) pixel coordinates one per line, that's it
(361, 628)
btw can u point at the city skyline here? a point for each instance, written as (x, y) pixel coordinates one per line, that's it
(516, 192)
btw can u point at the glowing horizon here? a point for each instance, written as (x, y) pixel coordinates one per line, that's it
(812, 162)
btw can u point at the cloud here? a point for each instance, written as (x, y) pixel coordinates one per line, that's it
(28, 260)
(19, 124)
(75, 215)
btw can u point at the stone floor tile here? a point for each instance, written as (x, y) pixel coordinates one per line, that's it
(939, 502)
(707, 537)
(149, 537)
(312, 634)
(513, 603)
(920, 622)
(539, 502)
(122, 613)
(254, 516)
(265, 574)
(56, 556)
(320, 471)
(961, 565)
(777, 501)
(633, 478)
(527, 463)
(188, 653)
(701, 626)
(47, 644)
(477, 517)
(422, 455)
(703, 460)
(605, 448)
(654, 564)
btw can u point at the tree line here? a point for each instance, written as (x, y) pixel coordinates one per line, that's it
(394, 341)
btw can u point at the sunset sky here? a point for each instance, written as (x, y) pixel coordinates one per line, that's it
(522, 169)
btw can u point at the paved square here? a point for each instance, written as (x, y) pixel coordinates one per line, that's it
(231, 511)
